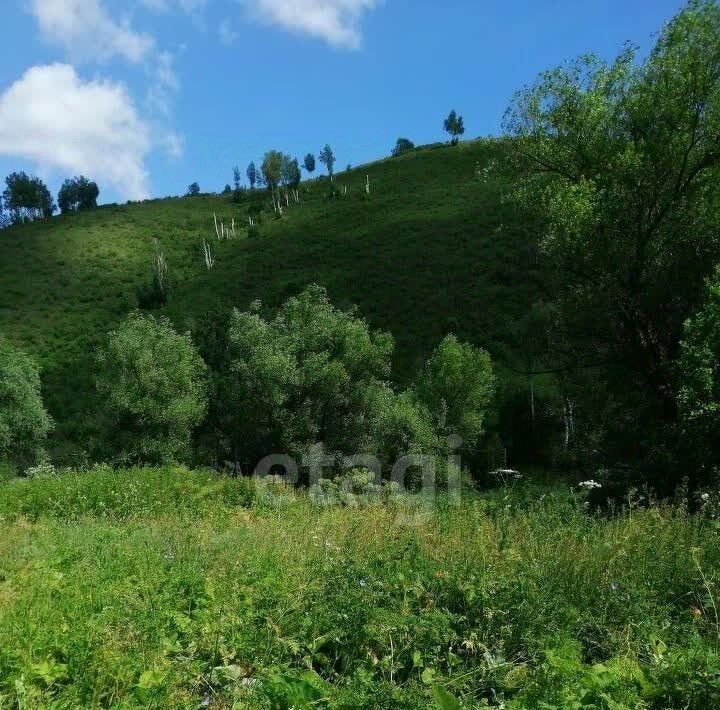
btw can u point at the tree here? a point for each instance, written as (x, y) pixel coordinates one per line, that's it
(454, 126)
(622, 175)
(291, 175)
(457, 386)
(309, 163)
(699, 378)
(27, 198)
(153, 382)
(24, 423)
(77, 194)
(403, 145)
(327, 158)
(252, 175)
(272, 169)
(193, 189)
(236, 178)
(304, 377)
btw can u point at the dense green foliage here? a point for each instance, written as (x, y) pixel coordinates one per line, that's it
(315, 380)
(27, 198)
(24, 423)
(457, 386)
(304, 377)
(175, 589)
(699, 392)
(623, 171)
(77, 194)
(152, 381)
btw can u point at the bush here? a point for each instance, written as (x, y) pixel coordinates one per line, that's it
(403, 145)
(24, 423)
(457, 386)
(153, 380)
(304, 377)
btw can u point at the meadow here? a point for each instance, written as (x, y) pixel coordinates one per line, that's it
(172, 588)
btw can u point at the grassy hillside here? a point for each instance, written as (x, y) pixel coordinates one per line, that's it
(431, 251)
(179, 589)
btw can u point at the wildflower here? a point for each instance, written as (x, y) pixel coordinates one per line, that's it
(363, 582)
(589, 485)
(705, 497)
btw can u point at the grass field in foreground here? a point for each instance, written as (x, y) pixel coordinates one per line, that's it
(178, 589)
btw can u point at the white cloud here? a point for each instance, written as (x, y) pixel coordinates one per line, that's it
(174, 145)
(189, 6)
(164, 84)
(335, 21)
(52, 117)
(86, 31)
(226, 33)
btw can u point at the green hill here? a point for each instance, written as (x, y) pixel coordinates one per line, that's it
(432, 250)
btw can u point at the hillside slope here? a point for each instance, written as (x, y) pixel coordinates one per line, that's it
(432, 250)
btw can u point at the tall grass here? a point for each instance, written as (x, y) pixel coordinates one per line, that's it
(172, 588)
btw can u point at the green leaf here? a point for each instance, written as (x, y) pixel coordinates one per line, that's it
(428, 676)
(150, 679)
(445, 700)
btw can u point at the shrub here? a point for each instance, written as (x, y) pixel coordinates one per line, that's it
(403, 145)
(153, 380)
(24, 423)
(457, 386)
(303, 377)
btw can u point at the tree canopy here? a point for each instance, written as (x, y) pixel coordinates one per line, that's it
(27, 198)
(403, 145)
(252, 175)
(272, 169)
(154, 386)
(327, 158)
(77, 194)
(622, 173)
(24, 423)
(454, 126)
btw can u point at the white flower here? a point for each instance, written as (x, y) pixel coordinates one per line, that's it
(705, 497)
(589, 485)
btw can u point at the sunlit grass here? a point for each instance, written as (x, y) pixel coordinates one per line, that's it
(171, 588)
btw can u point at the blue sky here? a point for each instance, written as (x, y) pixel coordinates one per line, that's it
(146, 96)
